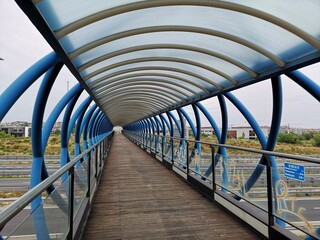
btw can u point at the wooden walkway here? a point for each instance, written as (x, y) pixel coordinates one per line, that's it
(138, 198)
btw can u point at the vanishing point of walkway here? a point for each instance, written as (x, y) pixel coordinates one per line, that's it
(138, 198)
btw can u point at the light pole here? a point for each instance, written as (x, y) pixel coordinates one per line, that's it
(67, 86)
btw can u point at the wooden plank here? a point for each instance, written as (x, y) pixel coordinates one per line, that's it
(138, 198)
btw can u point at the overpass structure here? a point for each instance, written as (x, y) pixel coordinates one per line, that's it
(142, 62)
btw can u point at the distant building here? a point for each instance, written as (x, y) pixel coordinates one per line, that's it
(16, 131)
(289, 129)
(56, 127)
(244, 132)
(247, 132)
(207, 130)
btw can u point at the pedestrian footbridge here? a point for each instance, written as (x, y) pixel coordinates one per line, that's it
(147, 67)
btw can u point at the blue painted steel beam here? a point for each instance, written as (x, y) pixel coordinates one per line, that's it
(155, 124)
(24, 81)
(183, 127)
(64, 153)
(306, 83)
(197, 149)
(221, 151)
(91, 122)
(188, 119)
(37, 155)
(171, 125)
(165, 122)
(160, 125)
(36, 130)
(84, 126)
(79, 116)
(192, 128)
(176, 122)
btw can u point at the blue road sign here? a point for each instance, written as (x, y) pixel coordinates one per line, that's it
(294, 171)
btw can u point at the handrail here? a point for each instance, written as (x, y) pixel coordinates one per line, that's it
(265, 152)
(275, 200)
(8, 213)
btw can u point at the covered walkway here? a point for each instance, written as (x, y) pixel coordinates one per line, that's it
(139, 199)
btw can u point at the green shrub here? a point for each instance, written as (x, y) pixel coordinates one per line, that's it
(288, 138)
(316, 140)
(4, 135)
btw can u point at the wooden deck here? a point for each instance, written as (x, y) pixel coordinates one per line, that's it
(138, 198)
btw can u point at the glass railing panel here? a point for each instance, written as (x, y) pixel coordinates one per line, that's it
(243, 177)
(194, 159)
(153, 142)
(179, 153)
(159, 147)
(157, 144)
(147, 143)
(200, 160)
(167, 149)
(298, 196)
(80, 185)
(49, 220)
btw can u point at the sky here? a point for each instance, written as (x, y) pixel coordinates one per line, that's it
(21, 45)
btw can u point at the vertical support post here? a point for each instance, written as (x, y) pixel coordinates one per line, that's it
(143, 139)
(213, 169)
(89, 175)
(171, 140)
(269, 195)
(100, 155)
(187, 157)
(150, 141)
(162, 148)
(96, 163)
(71, 201)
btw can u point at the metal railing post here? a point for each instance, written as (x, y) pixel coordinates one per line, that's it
(213, 169)
(89, 175)
(172, 162)
(100, 156)
(269, 196)
(187, 157)
(150, 141)
(162, 153)
(96, 164)
(71, 202)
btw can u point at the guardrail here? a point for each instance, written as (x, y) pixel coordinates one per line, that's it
(275, 197)
(64, 211)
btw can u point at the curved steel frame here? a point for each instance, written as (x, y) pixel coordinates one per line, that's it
(154, 111)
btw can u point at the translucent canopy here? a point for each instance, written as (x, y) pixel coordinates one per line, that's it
(141, 58)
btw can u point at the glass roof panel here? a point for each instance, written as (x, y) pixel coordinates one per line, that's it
(152, 79)
(229, 22)
(243, 54)
(215, 78)
(64, 12)
(171, 53)
(294, 14)
(187, 49)
(186, 76)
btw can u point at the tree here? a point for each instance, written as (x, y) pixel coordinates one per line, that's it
(288, 138)
(307, 136)
(4, 135)
(316, 140)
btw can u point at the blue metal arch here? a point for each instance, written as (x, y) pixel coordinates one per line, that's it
(24, 81)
